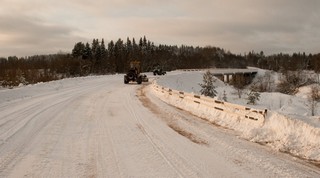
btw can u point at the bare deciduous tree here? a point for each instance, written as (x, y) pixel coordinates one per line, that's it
(291, 81)
(263, 83)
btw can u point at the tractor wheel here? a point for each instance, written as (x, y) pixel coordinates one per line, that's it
(139, 80)
(126, 81)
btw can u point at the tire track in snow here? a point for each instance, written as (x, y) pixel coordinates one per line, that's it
(107, 132)
(13, 150)
(183, 166)
(197, 169)
(24, 131)
(25, 111)
(154, 145)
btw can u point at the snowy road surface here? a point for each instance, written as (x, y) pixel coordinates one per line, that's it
(99, 127)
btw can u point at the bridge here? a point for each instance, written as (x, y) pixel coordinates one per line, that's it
(228, 75)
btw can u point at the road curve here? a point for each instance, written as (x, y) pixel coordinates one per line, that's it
(103, 128)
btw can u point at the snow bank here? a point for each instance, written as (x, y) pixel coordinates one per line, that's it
(224, 114)
(32, 90)
(294, 135)
(288, 135)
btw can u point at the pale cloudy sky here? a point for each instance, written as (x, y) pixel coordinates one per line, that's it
(29, 27)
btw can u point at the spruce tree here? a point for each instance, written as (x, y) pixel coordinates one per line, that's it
(224, 96)
(253, 97)
(208, 89)
(103, 50)
(78, 50)
(95, 45)
(87, 53)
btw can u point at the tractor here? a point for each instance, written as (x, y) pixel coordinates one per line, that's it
(158, 70)
(133, 75)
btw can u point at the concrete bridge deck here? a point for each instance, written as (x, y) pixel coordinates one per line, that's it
(227, 75)
(233, 71)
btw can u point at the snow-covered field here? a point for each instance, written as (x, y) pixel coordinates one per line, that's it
(97, 126)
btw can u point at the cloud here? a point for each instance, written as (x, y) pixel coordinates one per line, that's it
(30, 36)
(30, 27)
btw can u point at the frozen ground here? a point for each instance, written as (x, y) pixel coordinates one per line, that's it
(98, 127)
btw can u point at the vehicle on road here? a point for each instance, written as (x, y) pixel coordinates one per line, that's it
(158, 71)
(134, 75)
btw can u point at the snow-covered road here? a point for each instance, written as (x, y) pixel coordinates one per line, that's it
(99, 127)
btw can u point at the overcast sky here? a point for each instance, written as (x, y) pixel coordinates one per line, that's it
(29, 27)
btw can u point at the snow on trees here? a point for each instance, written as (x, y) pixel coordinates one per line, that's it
(253, 97)
(208, 89)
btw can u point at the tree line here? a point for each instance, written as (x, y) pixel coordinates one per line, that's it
(114, 57)
(101, 58)
(284, 62)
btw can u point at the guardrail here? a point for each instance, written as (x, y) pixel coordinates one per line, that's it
(256, 116)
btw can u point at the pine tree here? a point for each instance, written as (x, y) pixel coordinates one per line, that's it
(140, 44)
(78, 50)
(103, 48)
(128, 49)
(253, 97)
(95, 45)
(208, 89)
(104, 57)
(144, 41)
(87, 53)
(119, 56)
(224, 96)
(111, 57)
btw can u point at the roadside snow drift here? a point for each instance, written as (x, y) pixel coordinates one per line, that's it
(276, 130)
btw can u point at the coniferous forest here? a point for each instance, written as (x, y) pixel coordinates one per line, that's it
(99, 58)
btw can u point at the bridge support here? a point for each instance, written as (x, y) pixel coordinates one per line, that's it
(245, 77)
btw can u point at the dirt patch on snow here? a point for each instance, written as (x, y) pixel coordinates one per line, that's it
(167, 118)
(188, 135)
(146, 101)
